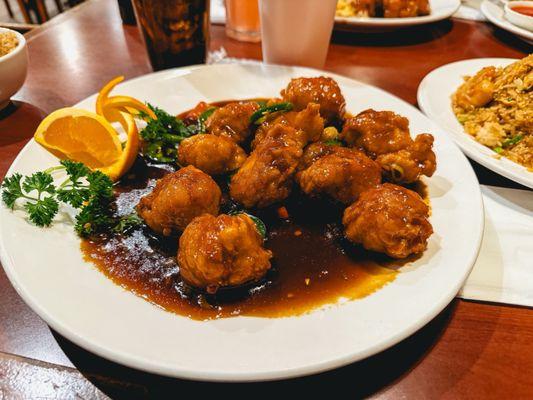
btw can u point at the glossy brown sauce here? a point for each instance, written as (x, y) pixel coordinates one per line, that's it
(313, 265)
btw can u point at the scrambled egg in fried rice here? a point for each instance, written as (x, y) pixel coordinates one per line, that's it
(495, 106)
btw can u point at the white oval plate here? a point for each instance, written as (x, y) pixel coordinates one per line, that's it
(434, 99)
(47, 269)
(440, 9)
(496, 14)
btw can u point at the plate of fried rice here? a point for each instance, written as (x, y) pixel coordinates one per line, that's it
(383, 15)
(486, 104)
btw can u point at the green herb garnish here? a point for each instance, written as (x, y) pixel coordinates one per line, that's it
(258, 117)
(162, 136)
(91, 192)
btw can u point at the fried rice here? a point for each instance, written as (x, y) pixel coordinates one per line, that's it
(8, 42)
(495, 106)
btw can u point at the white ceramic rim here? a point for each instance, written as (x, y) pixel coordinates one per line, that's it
(472, 148)
(221, 376)
(400, 22)
(487, 9)
(21, 44)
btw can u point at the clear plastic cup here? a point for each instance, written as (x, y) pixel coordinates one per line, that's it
(296, 32)
(242, 20)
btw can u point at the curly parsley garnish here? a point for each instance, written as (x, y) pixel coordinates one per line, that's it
(91, 192)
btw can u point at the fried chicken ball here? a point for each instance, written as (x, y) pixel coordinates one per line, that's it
(267, 174)
(405, 8)
(222, 251)
(424, 8)
(212, 154)
(232, 120)
(409, 164)
(340, 172)
(364, 8)
(389, 219)
(385, 136)
(313, 152)
(307, 120)
(178, 198)
(377, 132)
(321, 90)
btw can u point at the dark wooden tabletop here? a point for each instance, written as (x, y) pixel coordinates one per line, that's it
(471, 350)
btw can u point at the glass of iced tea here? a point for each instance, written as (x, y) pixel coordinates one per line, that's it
(242, 20)
(175, 32)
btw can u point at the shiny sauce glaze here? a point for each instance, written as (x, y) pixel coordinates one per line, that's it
(313, 265)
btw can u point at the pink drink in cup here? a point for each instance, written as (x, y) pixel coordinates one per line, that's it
(296, 32)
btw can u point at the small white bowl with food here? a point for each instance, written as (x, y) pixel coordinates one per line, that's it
(13, 64)
(520, 13)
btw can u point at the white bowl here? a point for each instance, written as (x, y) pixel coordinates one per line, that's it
(518, 19)
(13, 69)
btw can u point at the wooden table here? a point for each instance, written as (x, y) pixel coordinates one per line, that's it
(471, 350)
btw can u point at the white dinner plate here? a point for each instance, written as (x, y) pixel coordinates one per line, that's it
(496, 14)
(434, 99)
(47, 269)
(440, 9)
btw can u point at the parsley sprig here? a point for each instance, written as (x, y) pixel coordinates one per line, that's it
(91, 192)
(162, 136)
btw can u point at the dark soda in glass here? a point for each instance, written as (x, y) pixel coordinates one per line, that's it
(175, 32)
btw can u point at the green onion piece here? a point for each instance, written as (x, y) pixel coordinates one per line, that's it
(260, 225)
(202, 118)
(498, 150)
(333, 142)
(264, 111)
(512, 141)
(206, 114)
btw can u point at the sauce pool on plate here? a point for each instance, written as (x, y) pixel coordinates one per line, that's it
(313, 265)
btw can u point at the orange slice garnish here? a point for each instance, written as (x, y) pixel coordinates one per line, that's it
(89, 138)
(109, 107)
(129, 154)
(80, 135)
